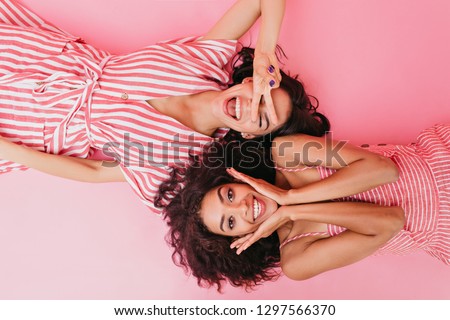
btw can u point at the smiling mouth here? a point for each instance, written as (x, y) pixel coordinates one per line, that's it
(257, 209)
(233, 108)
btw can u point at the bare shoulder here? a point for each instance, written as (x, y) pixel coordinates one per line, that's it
(285, 145)
(287, 149)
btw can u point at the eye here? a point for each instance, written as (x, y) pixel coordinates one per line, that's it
(231, 222)
(230, 195)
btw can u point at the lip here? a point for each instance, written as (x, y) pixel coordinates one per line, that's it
(262, 209)
(225, 108)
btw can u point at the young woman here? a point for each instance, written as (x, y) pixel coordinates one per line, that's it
(149, 109)
(406, 208)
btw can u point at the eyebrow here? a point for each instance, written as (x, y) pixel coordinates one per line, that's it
(222, 219)
(219, 194)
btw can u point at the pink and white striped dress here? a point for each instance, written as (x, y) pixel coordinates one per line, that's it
(422, 190)
(63, 96)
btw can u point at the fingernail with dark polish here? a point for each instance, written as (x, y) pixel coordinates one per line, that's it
(271, 69)
(271, 83)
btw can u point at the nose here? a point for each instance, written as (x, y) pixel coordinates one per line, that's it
(243, 209)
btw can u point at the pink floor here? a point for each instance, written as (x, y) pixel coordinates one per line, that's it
(381, 71)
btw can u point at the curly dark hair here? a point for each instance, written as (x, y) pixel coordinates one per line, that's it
(206, 255)
(304, 117)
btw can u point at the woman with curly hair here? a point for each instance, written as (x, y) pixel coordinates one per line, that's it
(61, 99)
(394, 199)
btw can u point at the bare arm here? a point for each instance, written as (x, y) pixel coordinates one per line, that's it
(241, 17)
(358, 170)
(62, 166)
(272, 13)
(235, 23)
(266, 74)
(368, 228)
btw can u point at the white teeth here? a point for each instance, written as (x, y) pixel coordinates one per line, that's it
(256, 209)
(238, 108)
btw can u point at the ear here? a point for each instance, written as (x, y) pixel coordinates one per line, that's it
(247, 135)
(247, 80)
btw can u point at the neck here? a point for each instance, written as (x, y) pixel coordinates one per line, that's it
(194, 111)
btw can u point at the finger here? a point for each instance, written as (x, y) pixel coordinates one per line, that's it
(255, 105)
(254, 183)
(235, 174)
(279, 76)
(238, 243)
(276, 73)
(258, 90)
(238, 175)
(257, 184)
(273, 84)
(270, 107)
(247, 244)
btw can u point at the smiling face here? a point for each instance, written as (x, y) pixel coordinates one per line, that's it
(235, 209)
(233, 108)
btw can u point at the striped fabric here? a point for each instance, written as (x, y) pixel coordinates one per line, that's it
(63, 96)
(422, 190)
(302, 235)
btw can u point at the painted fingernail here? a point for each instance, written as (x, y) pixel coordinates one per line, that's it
(271, 83)
(271, 69)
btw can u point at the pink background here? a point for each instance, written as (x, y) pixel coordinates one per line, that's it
(381, 70)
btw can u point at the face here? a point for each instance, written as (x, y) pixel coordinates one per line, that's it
(233, 108)
(235, 209)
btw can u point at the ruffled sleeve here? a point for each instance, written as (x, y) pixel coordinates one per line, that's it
(207, 57)
(20, 21)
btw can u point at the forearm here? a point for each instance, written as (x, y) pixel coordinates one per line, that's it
(368, 228)
(62, 166)
(236, 21)
(272, 13)
(359, 176)
(362, 218)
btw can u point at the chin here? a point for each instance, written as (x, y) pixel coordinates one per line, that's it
(272, 206)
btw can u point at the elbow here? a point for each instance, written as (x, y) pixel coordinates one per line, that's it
(394, 222)
(298, 277)
(392, 173)
(389, 221)
(294, 272)
(388, 170)
(398, 219)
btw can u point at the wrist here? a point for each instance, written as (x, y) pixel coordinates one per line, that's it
(285, 214)
(265, 47)
(291, 213)
(293, 196)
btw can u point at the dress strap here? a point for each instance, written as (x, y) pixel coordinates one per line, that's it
(302, 235)
(294, 169)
